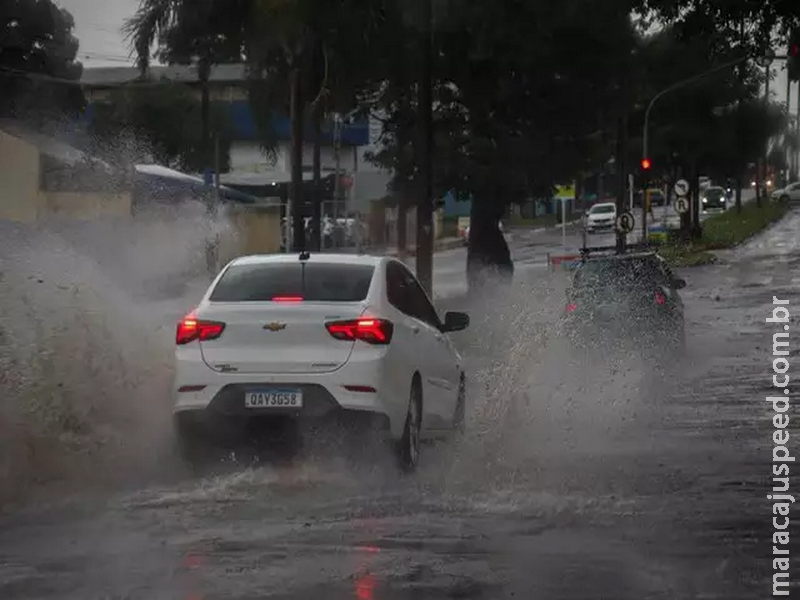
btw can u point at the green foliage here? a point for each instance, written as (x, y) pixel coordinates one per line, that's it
(165, 123)
(38, 44)
(724, 230)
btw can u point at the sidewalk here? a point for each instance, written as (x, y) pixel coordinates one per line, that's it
(442, 244)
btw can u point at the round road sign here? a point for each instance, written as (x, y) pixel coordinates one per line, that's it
(681, 205)
(681, 188)
(625, 222)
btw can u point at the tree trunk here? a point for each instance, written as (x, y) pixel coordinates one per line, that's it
(488, 252)
(425, 158)
(296, 192)
(739, 194)
(316, 221)
(204, 73)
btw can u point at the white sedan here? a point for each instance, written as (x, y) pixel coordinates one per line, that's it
(791, 193)
(601, 216)
(317, 337)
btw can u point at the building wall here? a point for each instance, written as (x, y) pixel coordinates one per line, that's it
(85, 205)
(254, 230)
(19, 179)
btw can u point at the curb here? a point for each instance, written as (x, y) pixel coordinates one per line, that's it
(441, 246)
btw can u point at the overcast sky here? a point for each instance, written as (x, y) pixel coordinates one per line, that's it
(98, 23)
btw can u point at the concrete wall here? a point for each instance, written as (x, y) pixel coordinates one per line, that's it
(19, 179)
(84, 205)
(254, 230)
(382, 225)
(23, 200)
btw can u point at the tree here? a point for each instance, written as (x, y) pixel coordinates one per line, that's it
(516, 92)
(199, 33)
(38, 61)
(162, 119)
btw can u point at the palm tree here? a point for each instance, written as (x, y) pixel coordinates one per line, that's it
(203, 33)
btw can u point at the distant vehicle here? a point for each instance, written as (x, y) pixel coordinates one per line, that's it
(329, 337)
(600, 217)
(714, 198)
(791, 193)
(632, 296)
(657, 197)
(703, 182)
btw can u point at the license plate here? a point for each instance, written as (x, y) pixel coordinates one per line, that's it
(278, 398)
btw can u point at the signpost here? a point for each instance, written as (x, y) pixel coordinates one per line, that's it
(681, 205)
(625, 223)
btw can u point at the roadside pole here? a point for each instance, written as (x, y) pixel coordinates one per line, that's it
(645, 209)
(425, 157)
(337, 183)
(564, 223)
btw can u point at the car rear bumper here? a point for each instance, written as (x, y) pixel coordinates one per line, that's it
(358, 387)
(599, 226)
(620, 336)
(218, 425)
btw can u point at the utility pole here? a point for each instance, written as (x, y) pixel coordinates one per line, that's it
(425, 198)
(337, 183)
(294, 213)
(622, 147)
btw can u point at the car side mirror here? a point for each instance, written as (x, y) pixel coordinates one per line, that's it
(678, 283)
(455, 321)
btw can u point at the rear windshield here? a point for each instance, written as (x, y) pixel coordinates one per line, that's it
(617, 276)
(313, 282)
(608, 208)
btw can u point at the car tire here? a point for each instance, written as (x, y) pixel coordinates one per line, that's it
(460, 415)
(408, 449)
(785, 198)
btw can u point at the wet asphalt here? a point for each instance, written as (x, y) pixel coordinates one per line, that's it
(609, 476)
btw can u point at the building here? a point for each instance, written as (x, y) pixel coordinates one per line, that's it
(251, 171)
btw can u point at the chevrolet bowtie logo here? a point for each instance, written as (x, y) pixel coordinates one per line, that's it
(275, 326)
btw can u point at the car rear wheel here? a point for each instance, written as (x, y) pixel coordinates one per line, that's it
(409, 444)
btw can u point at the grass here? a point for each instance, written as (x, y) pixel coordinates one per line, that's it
(723, 231)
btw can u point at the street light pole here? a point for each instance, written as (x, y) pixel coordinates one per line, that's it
(677, 86)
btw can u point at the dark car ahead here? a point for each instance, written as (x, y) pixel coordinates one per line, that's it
(714, 198)
(657, 198)
(630, 297)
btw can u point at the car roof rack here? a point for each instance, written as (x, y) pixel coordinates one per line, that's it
(587, 252)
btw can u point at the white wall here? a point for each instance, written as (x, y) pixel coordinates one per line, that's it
(370, 182)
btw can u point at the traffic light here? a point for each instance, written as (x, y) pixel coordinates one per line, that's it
(646, 164)
(793, 56)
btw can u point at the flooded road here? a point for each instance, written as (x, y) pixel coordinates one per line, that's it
(609, 477)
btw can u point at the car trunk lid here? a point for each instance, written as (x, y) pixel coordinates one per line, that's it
(278, 337)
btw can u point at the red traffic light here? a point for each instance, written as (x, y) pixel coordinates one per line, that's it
(794, 50)
(646, 164)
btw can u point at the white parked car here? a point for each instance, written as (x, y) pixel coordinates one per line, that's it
(601, 216)
(791, 193)
(317, 337)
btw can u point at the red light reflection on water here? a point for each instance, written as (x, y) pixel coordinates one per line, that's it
(365, 582)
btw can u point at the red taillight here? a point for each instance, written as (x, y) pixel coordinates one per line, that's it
(191, 329)
(372, 331)
(571, 307)
(660, 298)
(287, 299)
